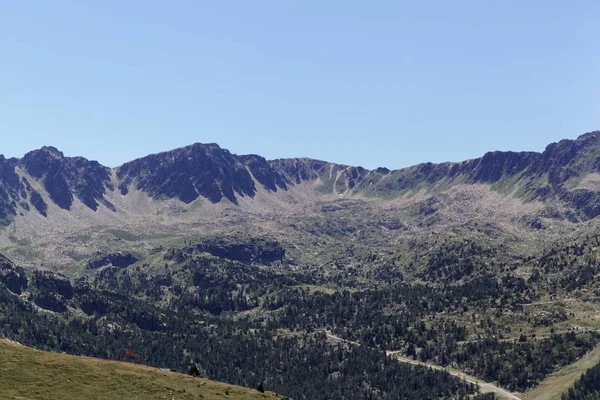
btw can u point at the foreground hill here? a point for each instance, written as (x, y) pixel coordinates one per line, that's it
(31, 374)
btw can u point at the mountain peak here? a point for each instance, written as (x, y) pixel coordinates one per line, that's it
(45, 152)
(65, 178)
(589, 135)
(52, 151)
(198, 170)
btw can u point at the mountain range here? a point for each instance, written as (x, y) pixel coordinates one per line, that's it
(565, 171)
(203, 189)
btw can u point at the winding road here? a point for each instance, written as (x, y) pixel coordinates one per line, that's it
(485, 387)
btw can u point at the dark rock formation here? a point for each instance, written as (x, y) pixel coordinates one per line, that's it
(298, 170)
(48, 282)
(270, 178)
(65, 178)
(586, 202)
(51, 291)
(50, 301)
(536, 223)
(11, 276)
(145, 320)
(254, 250)
(92, 305)
(190, 172)
(11, 190)
(121, 260)
(427, 207)
(247, 251)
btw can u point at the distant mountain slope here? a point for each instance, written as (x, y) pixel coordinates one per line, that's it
(31, 374)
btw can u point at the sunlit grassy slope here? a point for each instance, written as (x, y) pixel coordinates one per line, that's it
(28, 374)
(554, 385)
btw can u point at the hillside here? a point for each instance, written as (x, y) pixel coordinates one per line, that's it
(26, 373)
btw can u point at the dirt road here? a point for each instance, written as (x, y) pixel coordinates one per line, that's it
(485, 386)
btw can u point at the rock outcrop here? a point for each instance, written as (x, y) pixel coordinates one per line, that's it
(120, 260)
(252, 250)
(66, 178)
(11, 276)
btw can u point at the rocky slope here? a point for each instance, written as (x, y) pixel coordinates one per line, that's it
(203, 188)
(215, 174)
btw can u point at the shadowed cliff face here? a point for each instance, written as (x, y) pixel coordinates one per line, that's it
(62, 178)
(10, 190)
(11, 276)
(270, 178)
(16, 193)
(66, 178)
(188, 173)
(210, 172)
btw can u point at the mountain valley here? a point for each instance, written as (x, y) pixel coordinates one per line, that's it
(247, 267)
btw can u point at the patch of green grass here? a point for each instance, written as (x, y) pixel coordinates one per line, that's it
(30, 374)
(554, 385)
(28, 252)
(196, 204)
(123, 235)
(20, 242)
(326, 184)
(82, 237)
(319, 288)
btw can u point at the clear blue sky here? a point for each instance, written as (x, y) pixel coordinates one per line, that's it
(371, 83)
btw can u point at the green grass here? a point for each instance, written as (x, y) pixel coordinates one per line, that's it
(555, 384)
(28, 374)
(20, 242)
(322, 289)
(196, 205)
(123, 235)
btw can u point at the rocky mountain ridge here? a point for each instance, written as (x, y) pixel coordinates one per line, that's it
(207, 171)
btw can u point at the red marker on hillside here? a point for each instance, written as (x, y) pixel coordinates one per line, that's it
(129, 353)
